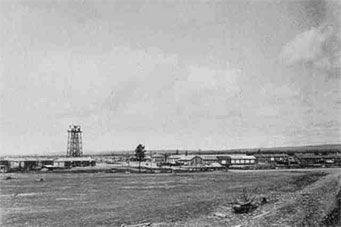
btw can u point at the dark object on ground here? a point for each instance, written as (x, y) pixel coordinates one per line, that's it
(244, 208)
(40, 180)
(9, 178)
(248, 203)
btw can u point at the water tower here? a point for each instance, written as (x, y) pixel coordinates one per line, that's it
(74, 141)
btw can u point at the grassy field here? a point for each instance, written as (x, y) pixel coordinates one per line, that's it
(105, 199)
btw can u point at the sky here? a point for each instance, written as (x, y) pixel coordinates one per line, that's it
(169, 74)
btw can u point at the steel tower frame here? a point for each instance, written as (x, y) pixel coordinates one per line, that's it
(74, 141)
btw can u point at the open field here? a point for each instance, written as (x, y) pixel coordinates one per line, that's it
(104, 199)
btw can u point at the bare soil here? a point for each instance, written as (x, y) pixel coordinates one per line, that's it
(313, 199)
(104, 199)
(333, 219)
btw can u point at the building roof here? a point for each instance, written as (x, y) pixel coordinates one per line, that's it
(312, 156)
(175, 156)
(270, 155)
(188, 157)
(223, 157)
(27, 159)
(237, 156)
(148, 157)
(74, 159)
(158, 156)
(209, 157)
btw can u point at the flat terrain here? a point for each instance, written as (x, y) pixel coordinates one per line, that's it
(104, 199)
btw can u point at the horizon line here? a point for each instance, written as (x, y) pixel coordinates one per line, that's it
(101, 152)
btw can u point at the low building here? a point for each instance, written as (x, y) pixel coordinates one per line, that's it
(68, 162)
(61, 163)
(224, 161)
(242, 161)
(4, 166)
(159, 158)
(133, 158)
(173, 159)
(24, 163)
(144, 164)
(311, 160)
(191, 160)
(271, 158)
(209, 159)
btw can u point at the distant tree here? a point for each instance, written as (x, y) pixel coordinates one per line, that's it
(140, 154)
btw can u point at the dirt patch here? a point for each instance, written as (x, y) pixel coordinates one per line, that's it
(311, 206)
(333, 219)
(303, 200)
(302, 181)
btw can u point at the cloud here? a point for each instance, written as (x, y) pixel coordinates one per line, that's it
(318, 47)
(315, 10)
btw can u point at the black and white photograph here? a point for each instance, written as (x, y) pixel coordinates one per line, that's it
(170, 113)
